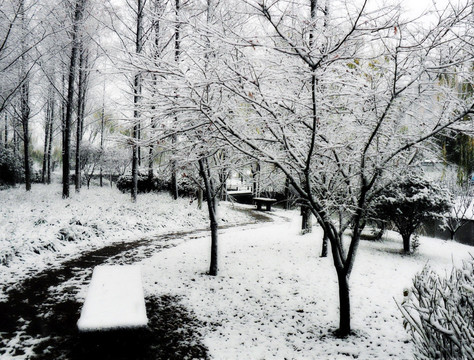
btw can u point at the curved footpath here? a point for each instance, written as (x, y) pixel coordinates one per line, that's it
(39, 319)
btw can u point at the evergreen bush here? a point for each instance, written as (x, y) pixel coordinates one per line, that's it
(11, 168)
(439, 314)
(145, 184)
(186, 187)
(409, 203)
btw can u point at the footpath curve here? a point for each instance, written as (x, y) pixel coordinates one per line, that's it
(38, 321)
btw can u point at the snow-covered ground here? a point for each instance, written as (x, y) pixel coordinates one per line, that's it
(276, 298)
(39, 229)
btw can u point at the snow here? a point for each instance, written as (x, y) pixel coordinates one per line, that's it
(114, 299)
(39, 229)
(275, 297)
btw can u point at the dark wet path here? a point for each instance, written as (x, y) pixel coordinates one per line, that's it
(39, 319)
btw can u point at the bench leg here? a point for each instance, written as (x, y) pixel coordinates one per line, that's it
(259, 206)
(269, 207)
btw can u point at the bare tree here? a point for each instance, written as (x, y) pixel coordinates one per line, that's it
(137, 91)
(75, 45)
(81, 104)
(461, 210)
(341, 146)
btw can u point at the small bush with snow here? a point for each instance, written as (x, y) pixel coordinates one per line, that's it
(409, 203)
(10, 167)
(439, 313)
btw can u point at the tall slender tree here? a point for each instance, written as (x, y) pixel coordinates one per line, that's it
(137, 92)
(25, 95)
(81, 104)
(177, 54)
(77, 19)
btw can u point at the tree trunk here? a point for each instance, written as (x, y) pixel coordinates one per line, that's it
(46, 140)
(344, 304)
(324, 248)
(102, 129)
(50, 143)
(150, 162)
(70, 96)
(134, 169)
(211, 205)
(452, 233)
(287, 193)
(406, 243)
(25, 118)
(15, 138)
(136, 99)
(156, 54)
(6, 131)
(174, 180)
(77, 167)
(80, 115)
(25, 97)
(200, 197)
(306, 225)
(177, 52)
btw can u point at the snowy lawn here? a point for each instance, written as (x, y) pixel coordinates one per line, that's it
(39, 228)
(276, 298)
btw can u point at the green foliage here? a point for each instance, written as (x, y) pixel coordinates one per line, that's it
(458, 148)
(36, 155)
(439, 314)
(11, 167)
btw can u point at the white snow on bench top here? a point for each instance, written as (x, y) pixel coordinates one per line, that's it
(114, 299)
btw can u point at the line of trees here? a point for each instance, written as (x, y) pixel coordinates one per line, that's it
(48, 56)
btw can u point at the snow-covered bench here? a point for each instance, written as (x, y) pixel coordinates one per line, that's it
(259, 201)
(114, 299)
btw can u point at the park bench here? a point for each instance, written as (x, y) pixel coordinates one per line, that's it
(114, 300)
(259, 201)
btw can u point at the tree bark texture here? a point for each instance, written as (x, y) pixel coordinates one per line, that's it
(50, 143)
(406, 243)
(66, 151)
(137, 84)
(344, 305)
(80, 117)
(6, 131)
(324, 247)
(25, 98)
(306, 225)
(46, 140)
(25, 119)
(211, 205)
(177, 51)
(287, 193)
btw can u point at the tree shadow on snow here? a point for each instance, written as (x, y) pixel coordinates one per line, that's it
(171, 334)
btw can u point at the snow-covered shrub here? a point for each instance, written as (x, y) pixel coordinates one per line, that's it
(409, 203)
(439, 313)
(186, 186)
(125, 183)
(10, 167)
